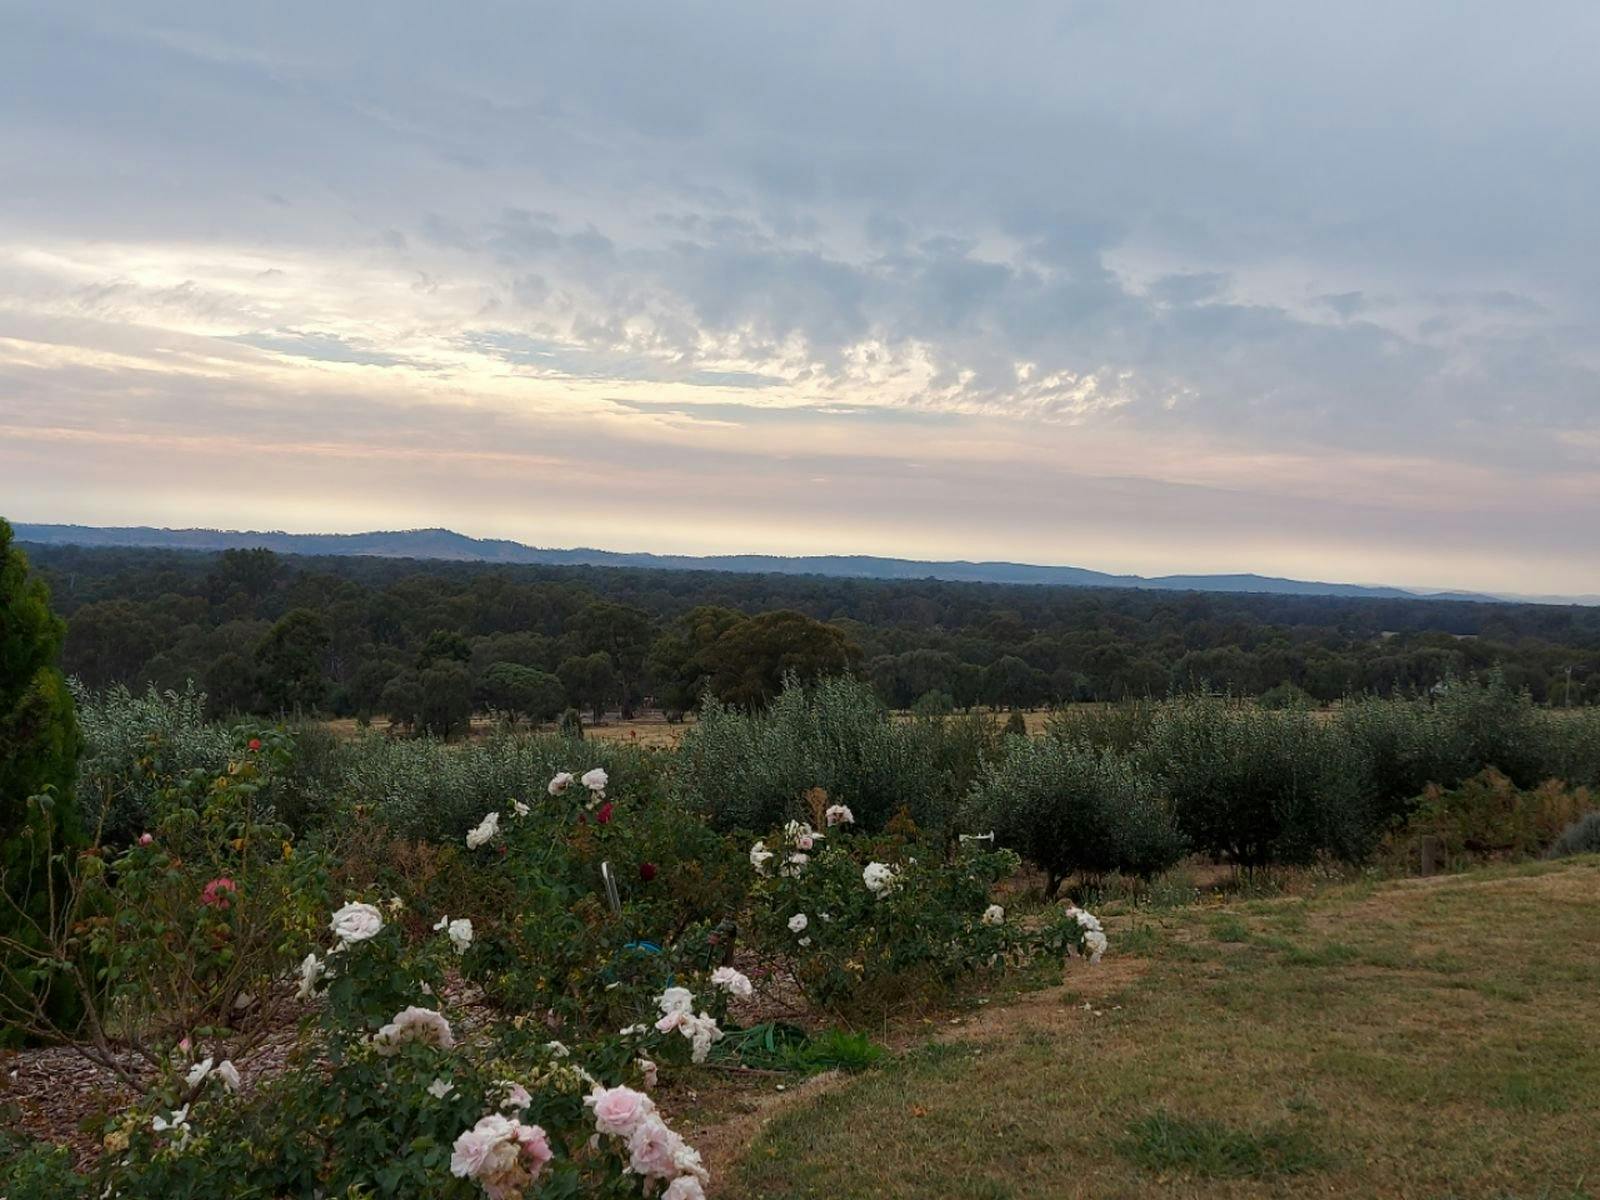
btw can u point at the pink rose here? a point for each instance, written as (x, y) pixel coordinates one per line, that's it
(217, 893)
(145, 839)
(652, 1148)
(535, 1146)
(619, 1110)
(674, 1020)
(473, 1151)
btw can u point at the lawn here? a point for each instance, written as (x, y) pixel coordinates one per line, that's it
(1427, 1038)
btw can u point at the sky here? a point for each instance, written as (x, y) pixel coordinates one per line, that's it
(1302, 289)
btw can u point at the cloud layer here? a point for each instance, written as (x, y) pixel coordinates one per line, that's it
(1161, 287)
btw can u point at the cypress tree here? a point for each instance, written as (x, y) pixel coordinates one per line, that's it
(39, 746)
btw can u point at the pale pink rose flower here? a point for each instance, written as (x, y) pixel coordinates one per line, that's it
(685, 1187)
(474, 1150)
(413, 1024)
(619, 1110)
(535, 1146)
(651, 1147)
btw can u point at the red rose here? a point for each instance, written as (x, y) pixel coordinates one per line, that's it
(647, 871)
(255, 743)
(604, 814)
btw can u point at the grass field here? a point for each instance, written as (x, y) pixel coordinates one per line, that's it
(1425, 1038)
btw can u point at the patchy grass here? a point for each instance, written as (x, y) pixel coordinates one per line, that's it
(1426, 1038)
(1163, 1142)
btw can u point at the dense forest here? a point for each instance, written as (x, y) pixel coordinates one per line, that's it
(427, 643)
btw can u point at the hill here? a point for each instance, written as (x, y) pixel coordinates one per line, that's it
(447, 545)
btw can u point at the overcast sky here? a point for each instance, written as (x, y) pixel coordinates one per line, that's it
(1301, 288)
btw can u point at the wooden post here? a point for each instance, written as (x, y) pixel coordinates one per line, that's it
(1432, 854)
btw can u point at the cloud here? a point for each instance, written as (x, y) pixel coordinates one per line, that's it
(1344, 247)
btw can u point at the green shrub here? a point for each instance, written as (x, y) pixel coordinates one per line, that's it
(752, 770)
(864, 920)
(1581, 837)
(1122, 727)
(1496, 725)
(1286, 695)
(427, 788)
(1071, 808)
(1403, 746)
(136, 747)
(1260, 787)
(1571, 743)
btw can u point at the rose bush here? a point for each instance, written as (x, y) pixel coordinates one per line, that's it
(491, 1026)
(855, 916)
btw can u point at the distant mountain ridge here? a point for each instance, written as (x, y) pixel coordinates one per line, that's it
(448, 545)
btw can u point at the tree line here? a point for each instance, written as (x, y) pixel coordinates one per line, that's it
(428, 643)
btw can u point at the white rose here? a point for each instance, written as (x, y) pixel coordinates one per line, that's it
(485, 830)
(735, 983)
(413, 1024)
(675, 1000)
(798, 923)
(595, 780)
(560, 782)
(994, 915)
(760, 856)
(879, 878)
(356, 922)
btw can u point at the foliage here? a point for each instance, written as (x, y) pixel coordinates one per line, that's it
(1488, 817)
(1286, 695)
(39, 746)
(856, 916)
(163, 617)
(384, 1098)
(39, 737)
(425, 788)
(136, 747)
(753, 660)
(752, 770)
(779, 1046)
(522, 692)
(548, 942)
(291, 662)
(179, 936)
(1071, 808)
(1259, 786)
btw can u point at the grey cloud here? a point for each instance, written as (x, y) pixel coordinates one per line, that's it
(1363, 226)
